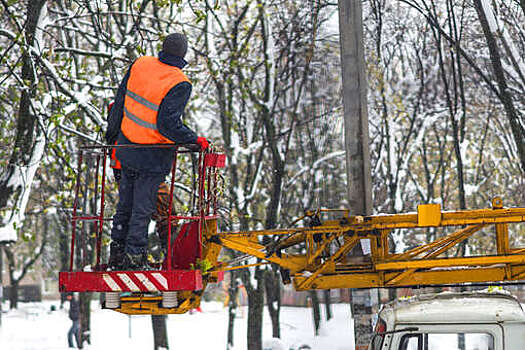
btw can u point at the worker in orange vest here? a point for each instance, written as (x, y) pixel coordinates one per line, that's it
(148, 109)
(161, 214)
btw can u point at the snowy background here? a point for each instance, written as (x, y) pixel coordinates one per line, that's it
(34, 327)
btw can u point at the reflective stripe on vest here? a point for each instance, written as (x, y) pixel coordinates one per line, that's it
(149, 82)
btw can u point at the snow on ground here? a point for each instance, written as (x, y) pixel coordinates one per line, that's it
(34, 327)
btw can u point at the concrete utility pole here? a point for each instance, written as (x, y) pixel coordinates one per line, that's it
(364, 302)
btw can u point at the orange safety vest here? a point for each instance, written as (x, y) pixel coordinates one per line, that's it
(149, 81)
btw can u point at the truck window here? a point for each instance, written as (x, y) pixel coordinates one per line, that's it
(412, 342)
(447, 341)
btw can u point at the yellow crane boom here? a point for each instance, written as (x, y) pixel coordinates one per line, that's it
(317, 257)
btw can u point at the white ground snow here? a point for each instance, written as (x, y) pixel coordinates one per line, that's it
(34, 327)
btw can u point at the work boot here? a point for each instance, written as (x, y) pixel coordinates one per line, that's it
(116, 255)
(135, 262)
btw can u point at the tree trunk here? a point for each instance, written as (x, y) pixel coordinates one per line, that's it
(316, 310)
(13, 291)
(392, 294)
(84, 301)
(160, 332)
(84, 257)
(255, 309)
(27, 132)
(272, 283)
(461, 341)
(327, 304)
(62, 223)
(272, 279)
(233, 293)
(13, 296)
(505, 97)
(451, 96)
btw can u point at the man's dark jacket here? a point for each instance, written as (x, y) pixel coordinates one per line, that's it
(74, 309)
(169, 124)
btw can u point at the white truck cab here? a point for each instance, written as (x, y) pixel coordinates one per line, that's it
(451, 321)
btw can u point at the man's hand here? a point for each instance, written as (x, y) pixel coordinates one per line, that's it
(201, 141)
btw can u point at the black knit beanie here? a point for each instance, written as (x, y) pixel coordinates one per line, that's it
(175, 44)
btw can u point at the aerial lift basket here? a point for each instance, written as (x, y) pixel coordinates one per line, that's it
(172, 286)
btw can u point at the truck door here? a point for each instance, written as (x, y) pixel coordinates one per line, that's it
(449, 337)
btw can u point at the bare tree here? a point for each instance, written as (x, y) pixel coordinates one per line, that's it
(17, 177)
(517, 128)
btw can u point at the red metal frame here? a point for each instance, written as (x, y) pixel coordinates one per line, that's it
(97, 279)
(131, 281)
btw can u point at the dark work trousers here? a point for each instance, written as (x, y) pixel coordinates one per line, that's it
(74, 332)
(137, 202)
